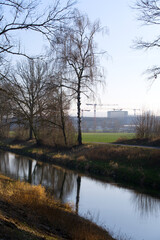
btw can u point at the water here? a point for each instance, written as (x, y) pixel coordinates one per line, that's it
(124, 212)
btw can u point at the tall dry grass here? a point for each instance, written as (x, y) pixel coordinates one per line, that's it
(133, 156)
(42, 207)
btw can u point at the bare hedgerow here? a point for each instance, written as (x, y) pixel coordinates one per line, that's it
(147, 126)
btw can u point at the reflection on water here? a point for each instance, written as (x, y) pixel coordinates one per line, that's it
(132, 213)
(58, 181)
(145, 205)
(78, 193)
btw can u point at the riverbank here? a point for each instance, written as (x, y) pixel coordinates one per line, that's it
(131, 166)
(30, 213)
(140, 142)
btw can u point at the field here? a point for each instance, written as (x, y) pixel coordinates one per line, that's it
(105, 137)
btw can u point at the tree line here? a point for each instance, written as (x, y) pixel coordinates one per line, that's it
(36, 92)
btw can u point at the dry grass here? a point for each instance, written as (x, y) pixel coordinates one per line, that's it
(42, 208)
(60, 156)
(133, 156)
(38, 151)
(129, 165)
(17, 146)
(14, 229)
(81, 158)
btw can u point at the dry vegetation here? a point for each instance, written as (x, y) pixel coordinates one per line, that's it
(133, 156)
(132, 166)
(129, 165)
(29, 212)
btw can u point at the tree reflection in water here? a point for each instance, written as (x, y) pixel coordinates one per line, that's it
(78, 193)
(145, 205)
(59, 182)
(62, 183)
(62, 187)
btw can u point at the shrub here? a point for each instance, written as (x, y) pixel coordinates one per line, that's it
(147, 126)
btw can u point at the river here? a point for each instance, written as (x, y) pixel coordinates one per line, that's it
(123, 212)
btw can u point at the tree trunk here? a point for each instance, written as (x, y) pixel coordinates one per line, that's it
(30, 133)
(63, 119)
(31, 125)
(79, 114)
(35, 135)
(64, 132)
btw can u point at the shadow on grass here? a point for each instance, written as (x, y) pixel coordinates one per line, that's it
(10, 231)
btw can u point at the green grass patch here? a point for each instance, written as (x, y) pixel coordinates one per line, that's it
(105, 137)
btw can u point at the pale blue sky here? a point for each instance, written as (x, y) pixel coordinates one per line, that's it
(125, 83)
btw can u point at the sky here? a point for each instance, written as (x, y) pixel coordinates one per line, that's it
(126, 85)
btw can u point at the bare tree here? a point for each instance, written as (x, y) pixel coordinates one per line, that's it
(5, 114)
(18, 15)
(149, 14)
(56, 112)
(27, 89)
(63, 106)
(38, 104)
(80, 57)
(147, 126)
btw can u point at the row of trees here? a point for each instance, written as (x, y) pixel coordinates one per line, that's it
(36, 94)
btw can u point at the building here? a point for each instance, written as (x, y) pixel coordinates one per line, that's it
(117, 114)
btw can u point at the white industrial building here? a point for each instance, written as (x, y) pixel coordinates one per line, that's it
(117, 114)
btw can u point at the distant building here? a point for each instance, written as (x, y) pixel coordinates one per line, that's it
(119, 121)
(117, 114)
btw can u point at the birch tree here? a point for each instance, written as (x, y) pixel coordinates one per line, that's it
(80, 56)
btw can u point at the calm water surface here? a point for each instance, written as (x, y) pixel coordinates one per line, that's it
(124, 212)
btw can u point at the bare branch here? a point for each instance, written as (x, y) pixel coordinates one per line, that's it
(149, 14)
(25, 15)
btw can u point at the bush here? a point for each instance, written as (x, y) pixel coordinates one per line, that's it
(147, 126)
